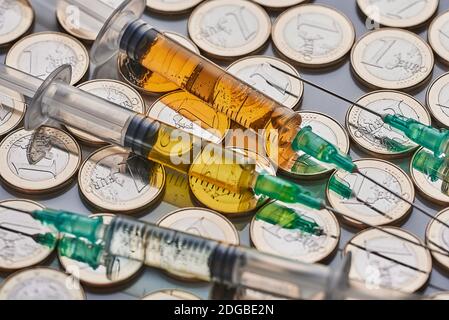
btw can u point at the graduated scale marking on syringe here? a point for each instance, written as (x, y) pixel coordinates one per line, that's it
(95, 243)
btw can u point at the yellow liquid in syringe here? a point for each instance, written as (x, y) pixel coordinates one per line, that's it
(219, 89)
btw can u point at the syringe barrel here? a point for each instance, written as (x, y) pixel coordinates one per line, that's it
(210, 260)
(86, 112)
(20, 82)
(205, 80)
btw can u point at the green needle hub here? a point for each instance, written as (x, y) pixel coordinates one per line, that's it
(288, 218)
(321, 149)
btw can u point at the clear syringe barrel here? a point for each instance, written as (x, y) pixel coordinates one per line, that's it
(210, 260)
(125, 31)
(234, 266)
(204, 79)
(55, 100)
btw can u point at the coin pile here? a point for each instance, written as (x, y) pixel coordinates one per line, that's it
(305, 37)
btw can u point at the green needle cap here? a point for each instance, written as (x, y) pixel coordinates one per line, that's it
(288, 218)
(70, 223)
(321, 149)
(426, 136)
(81, 251)
(428, 164)
(285, 191)
(340, 187)
(47, 239)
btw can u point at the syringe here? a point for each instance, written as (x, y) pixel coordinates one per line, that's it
(431, 138)
(123, 30)
(435, 168)
(202, 258)
(54, 100)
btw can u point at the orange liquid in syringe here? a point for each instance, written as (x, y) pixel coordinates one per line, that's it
(202, 78)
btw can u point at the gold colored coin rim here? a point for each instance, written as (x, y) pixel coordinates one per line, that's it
(170, 291)
(169, 9)
(417, 22)
(295, 102)
(25, 24)
(36, 261)
(390, 223)
(319, 175)
(316, 63)
(375, 83)
(371, 151)
(330, 249)
(89, 139)
(111, 150)
(87, 278)
(430, 98)
(405, 234)
(122, 57)
(418, 178)
(16, 183)
(159, 100)
(75, 41)
(221, 53)
(442, 261)
(81, 293)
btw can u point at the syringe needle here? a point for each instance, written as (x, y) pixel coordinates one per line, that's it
(397, 195)
(312, 84)
(16, 209)
(426, 136)
(17, 232)
(380, 255)
(282, 89)
(385, 231)
(373, 208)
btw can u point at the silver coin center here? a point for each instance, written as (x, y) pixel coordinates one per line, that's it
(40, 288)
(398, 9)
(373, 130)
(270, 81)
(393, 59)
(51, 153)
(374, 195)
(313, 35)
(443, 99)
(41, 58)
(120, 178)
(382, 272)
(10, 16)
(228, 26)
(443, 34)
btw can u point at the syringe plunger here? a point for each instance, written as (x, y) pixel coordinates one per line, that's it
(55, 100)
